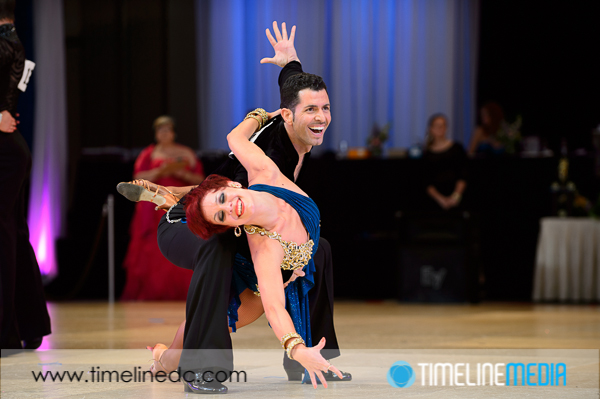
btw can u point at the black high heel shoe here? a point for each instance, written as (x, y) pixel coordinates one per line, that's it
(204, 383)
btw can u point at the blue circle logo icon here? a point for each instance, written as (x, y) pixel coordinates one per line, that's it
(401, 375)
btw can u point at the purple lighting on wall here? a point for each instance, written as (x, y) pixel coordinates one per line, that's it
(43, 229)
(50, 149)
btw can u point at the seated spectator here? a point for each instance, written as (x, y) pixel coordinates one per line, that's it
(445, 162)
(485, 138)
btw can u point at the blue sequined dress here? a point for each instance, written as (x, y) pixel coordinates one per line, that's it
(296, 293)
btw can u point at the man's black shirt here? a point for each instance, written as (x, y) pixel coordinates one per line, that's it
(273, 140)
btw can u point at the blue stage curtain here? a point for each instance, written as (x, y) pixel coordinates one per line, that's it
(384, 61)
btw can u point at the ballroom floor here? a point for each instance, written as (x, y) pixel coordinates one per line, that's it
(372, 335)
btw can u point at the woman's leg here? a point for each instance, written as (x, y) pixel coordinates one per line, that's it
(250, 309)
(167, 359)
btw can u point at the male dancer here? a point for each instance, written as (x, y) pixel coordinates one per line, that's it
(288, 141)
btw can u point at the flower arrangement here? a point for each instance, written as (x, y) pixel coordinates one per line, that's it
(509, 135)
(595, 209)
(582, 206)
(376, 139)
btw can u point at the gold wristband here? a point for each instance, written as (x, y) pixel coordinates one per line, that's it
(292, 345)
(262, 113)
(256, 118)
(288, 336)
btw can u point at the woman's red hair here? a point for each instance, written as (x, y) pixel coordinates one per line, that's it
(196, 221)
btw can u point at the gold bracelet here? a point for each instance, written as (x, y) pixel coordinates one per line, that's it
(288, 336)
(292, 345)
(256, 118)
(262, 113)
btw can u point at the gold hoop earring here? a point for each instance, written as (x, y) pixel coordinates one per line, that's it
(237, 231)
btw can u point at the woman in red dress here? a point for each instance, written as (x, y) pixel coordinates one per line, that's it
(168, 164)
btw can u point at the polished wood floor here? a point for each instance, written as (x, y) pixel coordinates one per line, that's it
(373, 336)
(359, 325)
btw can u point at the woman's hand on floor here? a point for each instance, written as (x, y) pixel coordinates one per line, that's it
(312, 360)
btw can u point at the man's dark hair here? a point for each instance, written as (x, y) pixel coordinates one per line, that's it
(7, 9)
(292, 86)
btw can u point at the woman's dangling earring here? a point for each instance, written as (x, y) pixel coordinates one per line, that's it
(237, 231)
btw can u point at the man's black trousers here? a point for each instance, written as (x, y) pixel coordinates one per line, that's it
(209, 295)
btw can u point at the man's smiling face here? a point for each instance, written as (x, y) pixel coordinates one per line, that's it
(311, 118)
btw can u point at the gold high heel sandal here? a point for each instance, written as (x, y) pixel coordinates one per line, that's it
(153, 368)
(144, 190)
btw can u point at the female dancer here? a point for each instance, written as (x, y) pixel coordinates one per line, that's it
(276, 215)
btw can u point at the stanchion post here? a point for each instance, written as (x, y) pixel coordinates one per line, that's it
(111, 248)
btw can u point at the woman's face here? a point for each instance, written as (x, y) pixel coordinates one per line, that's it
(164, 134)
(438, 128)
(230, 206)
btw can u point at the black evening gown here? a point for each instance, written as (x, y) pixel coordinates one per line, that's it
(443, 170)
(23, 312)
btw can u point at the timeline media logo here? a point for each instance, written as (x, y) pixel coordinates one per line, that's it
(401, 375)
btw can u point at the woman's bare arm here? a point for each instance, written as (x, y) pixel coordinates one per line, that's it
(251, 156)
(460, 187)
(267, 255)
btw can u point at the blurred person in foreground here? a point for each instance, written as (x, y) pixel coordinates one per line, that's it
(23, 314)
(171, 164)
(446, 166)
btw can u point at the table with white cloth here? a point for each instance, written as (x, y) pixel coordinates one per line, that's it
(567, 264)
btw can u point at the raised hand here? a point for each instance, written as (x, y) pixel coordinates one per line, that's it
(285, 51)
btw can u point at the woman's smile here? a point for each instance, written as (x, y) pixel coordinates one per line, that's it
(239, 207)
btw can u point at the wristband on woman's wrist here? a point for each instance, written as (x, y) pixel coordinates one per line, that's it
(260, 115)
(263, 114)
(256, 118)
(456, 196)
(292, 345)
(287, 336)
